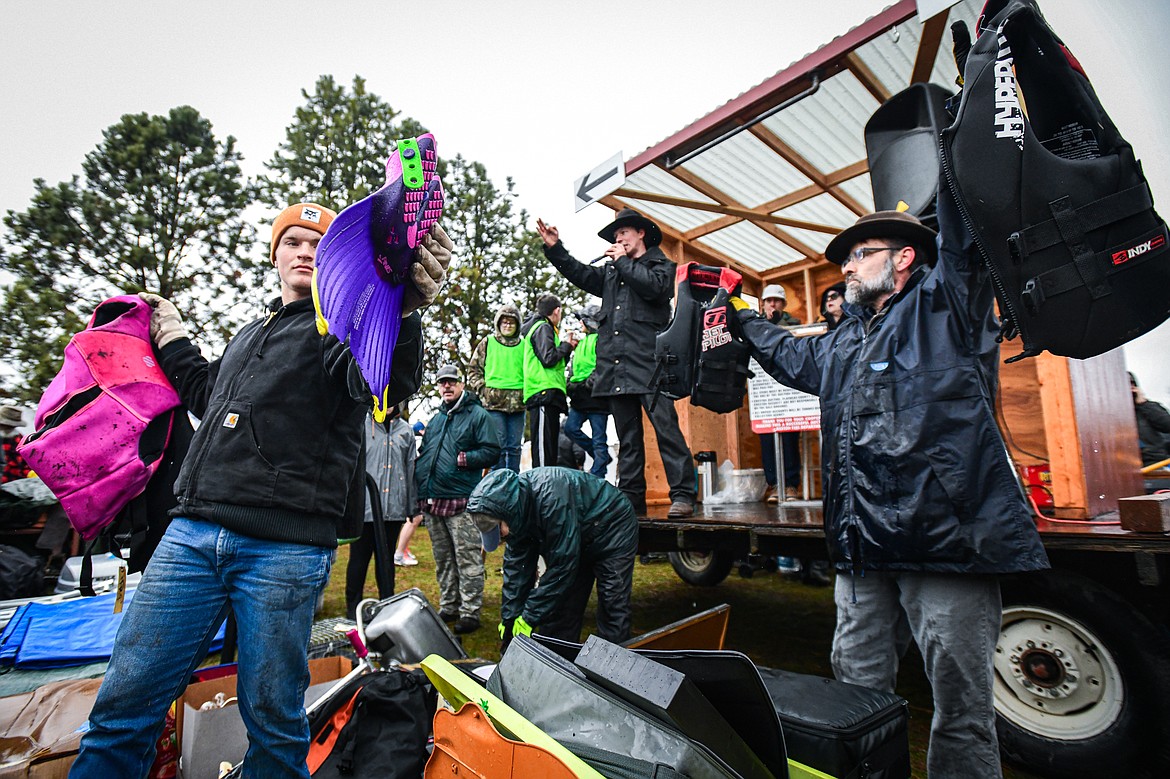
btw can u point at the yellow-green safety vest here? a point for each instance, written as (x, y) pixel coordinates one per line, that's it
(538, 378)
(584, 358)
(503, 366)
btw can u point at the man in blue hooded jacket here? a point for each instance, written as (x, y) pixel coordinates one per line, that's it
(922, 507)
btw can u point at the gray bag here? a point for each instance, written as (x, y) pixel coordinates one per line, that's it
(615, 737)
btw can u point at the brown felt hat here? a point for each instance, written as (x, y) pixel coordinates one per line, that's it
(883, 224)
(628, 217)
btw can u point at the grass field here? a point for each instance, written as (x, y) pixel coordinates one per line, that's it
(777, 622)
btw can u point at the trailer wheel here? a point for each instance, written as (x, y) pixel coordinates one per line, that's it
(702, 569)
(1081, 681)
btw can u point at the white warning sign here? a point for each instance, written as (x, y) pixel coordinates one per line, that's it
(775, 408)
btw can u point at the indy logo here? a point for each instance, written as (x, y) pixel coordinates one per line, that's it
(1009, 120)
(1125, 255)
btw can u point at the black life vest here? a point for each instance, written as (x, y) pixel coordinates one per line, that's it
(1052, 193)
(702, 353)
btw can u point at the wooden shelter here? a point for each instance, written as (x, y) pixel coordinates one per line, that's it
(762, 184)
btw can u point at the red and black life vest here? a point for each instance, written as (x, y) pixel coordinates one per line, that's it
(1053, 194)
(702, 353)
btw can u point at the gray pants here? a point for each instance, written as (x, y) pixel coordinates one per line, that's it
(457, 546)
(954, 619)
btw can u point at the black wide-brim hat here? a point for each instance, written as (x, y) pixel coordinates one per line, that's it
(883, 224)
(628, 217)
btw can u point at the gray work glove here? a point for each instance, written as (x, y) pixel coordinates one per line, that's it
(428, 270)
(165, 323)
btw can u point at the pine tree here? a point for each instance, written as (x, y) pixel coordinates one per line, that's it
(157, 208)
(335, 149)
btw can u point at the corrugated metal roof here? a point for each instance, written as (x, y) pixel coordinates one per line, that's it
(773, 195)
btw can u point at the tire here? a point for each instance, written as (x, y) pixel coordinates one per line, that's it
(1081, 685)
(700, 568)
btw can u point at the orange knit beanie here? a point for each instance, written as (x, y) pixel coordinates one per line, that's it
(308, 215)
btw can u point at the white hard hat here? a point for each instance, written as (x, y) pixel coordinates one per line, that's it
(774, 291)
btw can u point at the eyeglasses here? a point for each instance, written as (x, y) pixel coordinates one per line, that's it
(833, 296)
(445, 381)
(857, 255)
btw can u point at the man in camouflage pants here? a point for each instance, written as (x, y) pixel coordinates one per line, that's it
(459, 442)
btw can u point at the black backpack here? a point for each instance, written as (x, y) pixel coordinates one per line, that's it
(375, 726)
(1054, 197)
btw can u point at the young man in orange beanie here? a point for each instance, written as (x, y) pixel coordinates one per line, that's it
(271, 473)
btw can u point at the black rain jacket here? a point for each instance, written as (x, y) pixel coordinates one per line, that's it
(916, 474)
(635, 307)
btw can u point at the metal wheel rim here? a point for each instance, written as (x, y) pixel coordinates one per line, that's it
(694, 560)
(1089, 696)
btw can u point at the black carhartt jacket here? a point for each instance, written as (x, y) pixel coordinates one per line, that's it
(916, 475)
(281, 432)
(635, 306)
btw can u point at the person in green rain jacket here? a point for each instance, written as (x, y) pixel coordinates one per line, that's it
(583, 527)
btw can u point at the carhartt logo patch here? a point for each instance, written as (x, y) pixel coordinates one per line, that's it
(310, 215)
(231, 420)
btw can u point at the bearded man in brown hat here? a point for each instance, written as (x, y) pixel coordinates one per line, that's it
(923, 510)
(636, 286)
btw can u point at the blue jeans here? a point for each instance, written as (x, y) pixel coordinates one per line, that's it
(198, 572)
(598, 446)
(510, 429)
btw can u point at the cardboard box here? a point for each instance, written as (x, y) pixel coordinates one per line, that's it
(50, 721)
(1145, 513)
(207, 738)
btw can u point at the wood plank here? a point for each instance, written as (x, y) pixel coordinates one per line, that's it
(750, 214)
(1062, 433)
(862, 73)
(928, 45)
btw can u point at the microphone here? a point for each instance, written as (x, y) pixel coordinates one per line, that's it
(596, 260)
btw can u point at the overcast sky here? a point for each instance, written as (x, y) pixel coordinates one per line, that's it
(540, 91)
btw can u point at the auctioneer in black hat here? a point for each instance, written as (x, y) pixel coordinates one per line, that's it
(628, 217)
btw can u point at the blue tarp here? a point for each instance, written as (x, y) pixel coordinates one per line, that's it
(72, 632)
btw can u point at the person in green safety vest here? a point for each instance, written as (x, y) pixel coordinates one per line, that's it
(544, 377)
(583, 406)
(496, 375)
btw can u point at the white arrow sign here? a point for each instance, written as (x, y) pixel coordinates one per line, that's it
(599, 182)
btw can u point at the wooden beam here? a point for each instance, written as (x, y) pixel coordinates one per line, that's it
(928, 44)
(710, 190)
(750, 214)
(806, 168)
(847, 172)
(871, 82)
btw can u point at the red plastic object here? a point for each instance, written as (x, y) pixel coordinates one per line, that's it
(1038, 479)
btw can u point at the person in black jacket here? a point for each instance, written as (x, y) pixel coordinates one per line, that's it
(636, 286)
(272, 472)
(1153, 422)
(544, 377)
(923, 510)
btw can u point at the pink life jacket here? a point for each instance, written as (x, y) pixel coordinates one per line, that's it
(102, 425)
